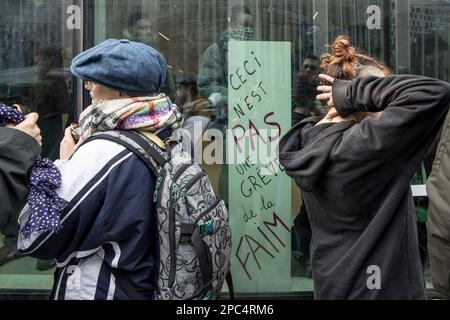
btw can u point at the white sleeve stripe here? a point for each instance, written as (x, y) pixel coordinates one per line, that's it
(61, 275)
(85, 164)
(84, 254)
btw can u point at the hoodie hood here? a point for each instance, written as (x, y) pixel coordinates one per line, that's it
(305, 149)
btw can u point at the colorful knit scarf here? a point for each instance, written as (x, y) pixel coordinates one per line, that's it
(143, 113)
(43, 178)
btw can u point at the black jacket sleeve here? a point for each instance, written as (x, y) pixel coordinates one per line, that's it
(17, 154)
(414, 109)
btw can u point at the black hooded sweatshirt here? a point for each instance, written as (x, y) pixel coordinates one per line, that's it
(355, 182)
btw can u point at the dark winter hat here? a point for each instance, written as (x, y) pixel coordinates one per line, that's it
(130, 67)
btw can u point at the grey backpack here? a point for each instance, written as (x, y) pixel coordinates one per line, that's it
(193, 226)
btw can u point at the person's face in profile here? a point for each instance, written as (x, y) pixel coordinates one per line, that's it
(144, 31)
(101, 93)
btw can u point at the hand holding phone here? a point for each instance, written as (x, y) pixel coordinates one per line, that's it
(76, 132)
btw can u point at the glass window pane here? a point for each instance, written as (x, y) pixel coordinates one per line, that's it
(308, 26)
(36, 49)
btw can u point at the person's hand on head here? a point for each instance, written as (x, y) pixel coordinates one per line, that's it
(327, 96)
(68, 144)
(30, 127)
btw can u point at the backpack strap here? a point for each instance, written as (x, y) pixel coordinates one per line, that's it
(126, 285)
(229, 281)
(150, 147)
(190, 232)
(147, 145)
(205, 261)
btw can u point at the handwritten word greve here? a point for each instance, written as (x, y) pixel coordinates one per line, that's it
(254, 183)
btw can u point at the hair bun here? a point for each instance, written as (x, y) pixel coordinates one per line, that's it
(346, 63)
(342, 50)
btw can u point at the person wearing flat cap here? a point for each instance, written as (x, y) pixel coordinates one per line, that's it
(109, 224)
